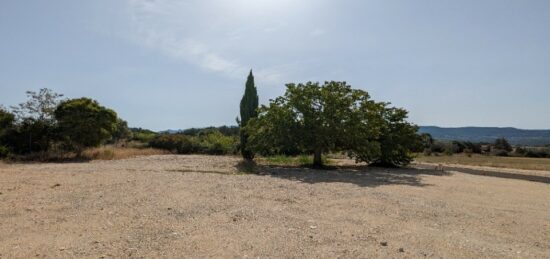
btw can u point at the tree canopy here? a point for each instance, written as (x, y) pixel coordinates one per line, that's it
(333, 118)
(503, 144)
(85, 123)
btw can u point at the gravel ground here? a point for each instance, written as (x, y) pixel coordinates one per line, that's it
(199, 206)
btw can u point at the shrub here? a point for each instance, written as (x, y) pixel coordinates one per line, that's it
(519, 151)
(449, 149)
(472, 147)
(84, 123)
(427, 152)
(215, 143)
(537, 153)
(4, 151)
(438, 147)
(180, 144)
(502, 144)
(29, 136)
(500, 152)
(211, 142)
(142, 135)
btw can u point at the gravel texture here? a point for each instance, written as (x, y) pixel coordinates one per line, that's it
(201, 206)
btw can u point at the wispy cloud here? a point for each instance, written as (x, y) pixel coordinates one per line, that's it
(156, 25)
(190, 31)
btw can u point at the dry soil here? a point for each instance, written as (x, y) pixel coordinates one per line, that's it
(201, 206)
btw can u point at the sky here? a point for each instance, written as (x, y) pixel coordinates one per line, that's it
(173, 64)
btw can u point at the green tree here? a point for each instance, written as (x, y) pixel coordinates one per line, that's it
(121, 131)
(248, 110)
(320, 119)
(398, 138)
(35, 125)
(333, 118)
(85, 123)
(502, 144)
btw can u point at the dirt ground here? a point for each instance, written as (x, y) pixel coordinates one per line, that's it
(199, 206)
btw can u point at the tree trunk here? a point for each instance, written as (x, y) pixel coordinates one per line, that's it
(317, 158)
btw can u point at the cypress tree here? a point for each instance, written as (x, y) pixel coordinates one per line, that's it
(249, 106)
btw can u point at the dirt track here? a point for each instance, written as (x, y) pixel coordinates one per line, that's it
(171, 206)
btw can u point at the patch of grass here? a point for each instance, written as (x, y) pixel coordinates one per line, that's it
(185, 170)
(115, 153)
(491, 161)
(99, 153)
(280, 160)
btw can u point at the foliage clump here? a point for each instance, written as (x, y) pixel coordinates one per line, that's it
(210, 142)
(84, 123)
(45, 125)
(333, 117)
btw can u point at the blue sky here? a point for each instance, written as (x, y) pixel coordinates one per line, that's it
(177, 64)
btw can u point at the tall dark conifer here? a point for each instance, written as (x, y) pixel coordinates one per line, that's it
(249, 106)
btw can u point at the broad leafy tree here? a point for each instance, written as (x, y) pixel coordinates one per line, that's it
(84, 123)
(398, 138)
(318, 119)
(333, 118)
(248, 110)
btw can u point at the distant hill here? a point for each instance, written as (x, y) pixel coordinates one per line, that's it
(489, 134)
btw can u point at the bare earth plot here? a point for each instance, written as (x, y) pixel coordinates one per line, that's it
(175, 206)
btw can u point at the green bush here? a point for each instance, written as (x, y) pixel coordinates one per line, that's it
(537, 153)
(438, 147)
(180, 144)
(212, 143)
(143, 135)
(215, 143)
(30, 136)
(500, 152)
(83, 122)
(4, 151)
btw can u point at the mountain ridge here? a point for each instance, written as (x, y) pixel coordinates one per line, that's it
(530, 137)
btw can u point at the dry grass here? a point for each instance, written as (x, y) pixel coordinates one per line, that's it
(115, 153)
(491, 161)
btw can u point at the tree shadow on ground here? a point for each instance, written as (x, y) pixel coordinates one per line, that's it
(363, 176)
(48, 160)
